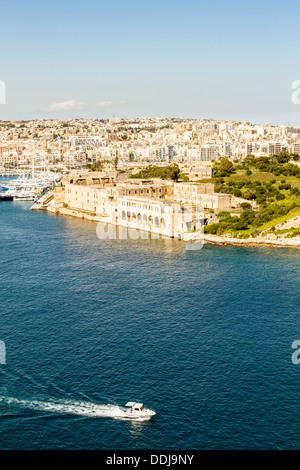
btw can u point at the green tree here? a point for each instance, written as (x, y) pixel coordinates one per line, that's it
(283, 157)
(226, 167)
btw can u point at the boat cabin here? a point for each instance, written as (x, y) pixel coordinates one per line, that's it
(135, 406)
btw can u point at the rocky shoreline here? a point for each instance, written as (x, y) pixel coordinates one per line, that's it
(268, 240)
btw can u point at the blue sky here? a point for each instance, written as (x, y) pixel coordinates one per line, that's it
(230, 59)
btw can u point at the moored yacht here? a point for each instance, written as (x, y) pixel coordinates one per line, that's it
(26, 194)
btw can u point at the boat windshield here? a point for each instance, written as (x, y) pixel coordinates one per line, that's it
(139, 408)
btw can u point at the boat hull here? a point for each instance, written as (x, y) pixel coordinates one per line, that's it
(139, 416)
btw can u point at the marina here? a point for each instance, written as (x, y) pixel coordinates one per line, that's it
(28, 187)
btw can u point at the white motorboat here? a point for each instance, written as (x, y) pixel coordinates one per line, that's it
(138, 411)
(26, 194)
(11, 192)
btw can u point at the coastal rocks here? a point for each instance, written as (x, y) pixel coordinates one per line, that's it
(269, 240)
(289, 224)
(271, 236)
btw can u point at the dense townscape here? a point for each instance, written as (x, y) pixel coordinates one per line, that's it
(77, 141)
(140, 173)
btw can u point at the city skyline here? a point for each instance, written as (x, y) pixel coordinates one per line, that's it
(191, 60)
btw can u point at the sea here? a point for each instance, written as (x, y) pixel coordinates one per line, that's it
(206, 338)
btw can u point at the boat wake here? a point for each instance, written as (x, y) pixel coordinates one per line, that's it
(67, 407)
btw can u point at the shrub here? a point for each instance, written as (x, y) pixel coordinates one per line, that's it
(223, 214)
(212, 229)
(237, 193)
(245, 205)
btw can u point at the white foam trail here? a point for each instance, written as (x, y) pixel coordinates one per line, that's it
(79, 408)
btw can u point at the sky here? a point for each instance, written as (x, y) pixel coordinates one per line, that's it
(231, 60)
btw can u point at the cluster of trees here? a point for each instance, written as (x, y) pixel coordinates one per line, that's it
(227, 222)
(98, 166)
(249, 219)
(267, 194)
(278, 164)
(261, 191)
(170, 172)
(223, 168)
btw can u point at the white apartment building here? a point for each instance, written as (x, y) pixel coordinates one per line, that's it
(85, 141)
(208, 153)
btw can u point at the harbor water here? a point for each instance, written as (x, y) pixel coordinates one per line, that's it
(204, 338)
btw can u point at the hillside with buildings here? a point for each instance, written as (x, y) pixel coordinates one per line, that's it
(140, 173)
(76, 142)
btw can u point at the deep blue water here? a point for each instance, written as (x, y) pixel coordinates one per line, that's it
(202, 337)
